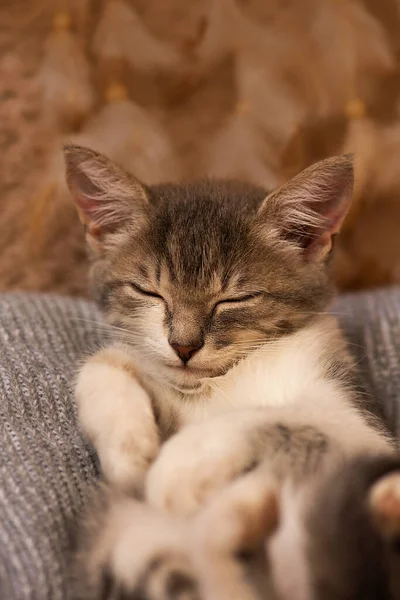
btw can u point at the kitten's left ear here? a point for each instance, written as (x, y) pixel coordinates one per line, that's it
(310, 208)
(105, 195)
(384, 503)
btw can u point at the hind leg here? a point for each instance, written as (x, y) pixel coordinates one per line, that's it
(230, 536)
(131, 551)
(134, 552)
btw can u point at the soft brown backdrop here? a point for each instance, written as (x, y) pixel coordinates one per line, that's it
(260, 98)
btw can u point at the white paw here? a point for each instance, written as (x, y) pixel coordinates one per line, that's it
(134, 552)
(127, 453)
(124, 465)
(116, 414)
(195, 464)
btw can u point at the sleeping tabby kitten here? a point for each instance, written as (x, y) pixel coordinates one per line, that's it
(216, 293)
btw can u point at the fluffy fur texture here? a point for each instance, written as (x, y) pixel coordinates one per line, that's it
(216, 294)
(323, 538)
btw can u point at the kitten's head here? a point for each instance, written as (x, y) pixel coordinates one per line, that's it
(198, 275)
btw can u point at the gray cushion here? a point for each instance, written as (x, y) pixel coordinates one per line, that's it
(372, 324)
(45, 464)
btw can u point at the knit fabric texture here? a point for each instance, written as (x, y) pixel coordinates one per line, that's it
(46, 467)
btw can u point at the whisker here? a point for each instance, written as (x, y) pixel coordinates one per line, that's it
(102, 324)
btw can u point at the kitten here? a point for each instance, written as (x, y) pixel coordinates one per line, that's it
(216, 294)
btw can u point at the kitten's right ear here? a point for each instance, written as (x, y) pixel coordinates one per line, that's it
(310, 208)
(106, 196)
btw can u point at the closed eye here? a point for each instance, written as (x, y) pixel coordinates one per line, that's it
(245, 298)
(144, 292)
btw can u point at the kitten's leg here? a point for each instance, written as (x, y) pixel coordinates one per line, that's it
(229, 540)
(132, 551)
(204, 457)
(116, 414)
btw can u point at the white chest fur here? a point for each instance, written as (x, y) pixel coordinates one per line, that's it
(284, 372)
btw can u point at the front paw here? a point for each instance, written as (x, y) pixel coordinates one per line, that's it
(125, 462)
(163, 578)
(195, 464)
(115, 412)
(131, 551)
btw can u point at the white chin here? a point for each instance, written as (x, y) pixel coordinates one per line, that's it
(190, 389)
(185, 381)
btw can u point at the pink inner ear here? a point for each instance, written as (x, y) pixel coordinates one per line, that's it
(320, 239)
(87, 205)
(84, 192)
(311, 207)
(337, 214)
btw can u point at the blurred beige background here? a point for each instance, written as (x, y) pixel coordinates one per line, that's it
(172, 89)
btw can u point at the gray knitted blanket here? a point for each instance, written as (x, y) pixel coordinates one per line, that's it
(46, 466)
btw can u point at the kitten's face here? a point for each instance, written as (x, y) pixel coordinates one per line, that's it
(201, 275)
(197, 276)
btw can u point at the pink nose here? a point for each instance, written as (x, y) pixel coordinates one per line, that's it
(185, 353)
